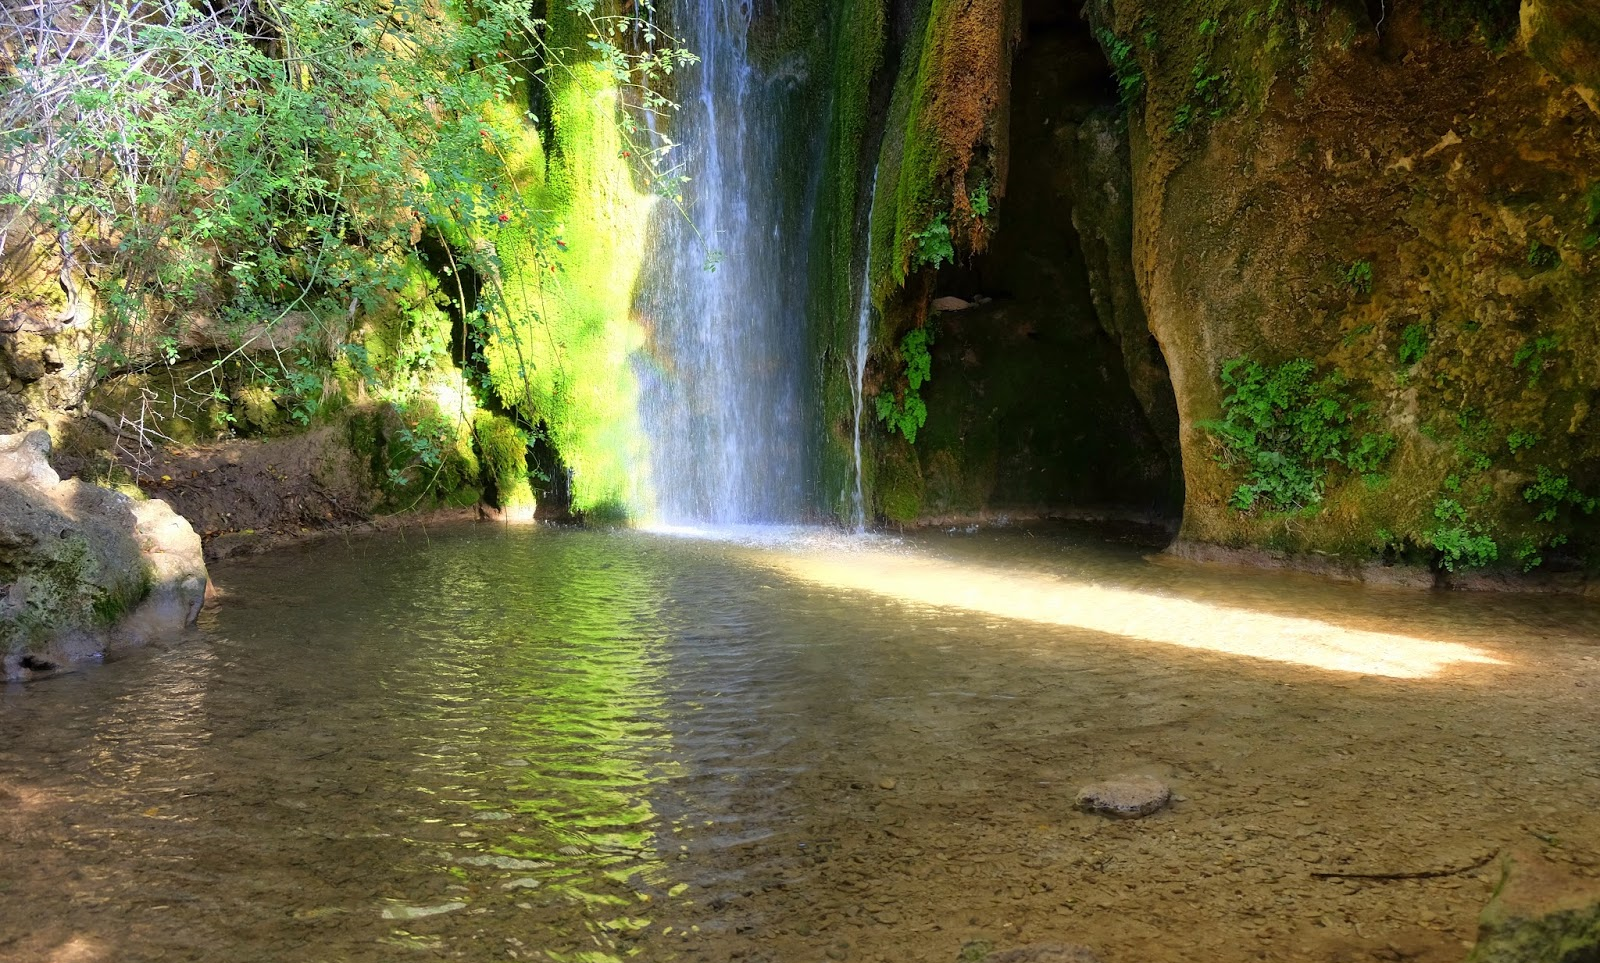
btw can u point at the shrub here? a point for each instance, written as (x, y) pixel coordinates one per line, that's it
(1286, 428)
(1413, 344)
(910, 413)
(1460, 543)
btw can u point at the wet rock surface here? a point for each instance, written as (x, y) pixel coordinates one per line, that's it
(1564, 37)
(1541, 913)
(1044, 953)
(82, 566)
(1125, 797)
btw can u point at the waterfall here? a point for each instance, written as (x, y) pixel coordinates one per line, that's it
(858, 515)
(724, 394)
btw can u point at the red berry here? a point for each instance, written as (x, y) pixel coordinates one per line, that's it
(504, 218)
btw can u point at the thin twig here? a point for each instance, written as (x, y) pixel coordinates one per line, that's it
(1418, 874)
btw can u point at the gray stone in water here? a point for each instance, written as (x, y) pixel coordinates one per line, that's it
(1125, 797)
(1045, 953)
(418, 912)
(504, 862)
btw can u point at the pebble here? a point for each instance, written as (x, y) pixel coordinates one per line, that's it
(888, 783)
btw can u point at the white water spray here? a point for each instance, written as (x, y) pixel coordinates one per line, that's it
(724, 400)
(858, 514)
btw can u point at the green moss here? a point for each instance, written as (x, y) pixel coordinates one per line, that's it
(853, 50)
(61, 590)
(900, 486)
(948, 134)
(559, 349)
(503, 452)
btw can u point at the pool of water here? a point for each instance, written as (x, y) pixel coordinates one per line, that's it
(482, 744)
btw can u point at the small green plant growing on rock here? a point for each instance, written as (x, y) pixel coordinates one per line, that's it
(1534, 357)
(981, 202)
(1550, 493)
(908, 414)
(934, 244)
(1529, 552)
(1542, 256)
(1413, 344)
(1358, 277)
(1519, 440)
(1459, 542)
(1124, 65)
(1286, 428)
(1554, 498)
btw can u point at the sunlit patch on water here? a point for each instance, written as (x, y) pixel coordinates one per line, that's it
(1124, 612)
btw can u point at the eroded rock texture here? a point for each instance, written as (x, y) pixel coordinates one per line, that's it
(83, 567)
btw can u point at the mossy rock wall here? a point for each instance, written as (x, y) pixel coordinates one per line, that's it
(1411, 205)
(1001, 128)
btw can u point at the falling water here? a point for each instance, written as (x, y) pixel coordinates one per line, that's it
(858, 514)
(724, 398)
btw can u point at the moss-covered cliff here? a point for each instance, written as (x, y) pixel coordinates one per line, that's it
(1009, 369)
(1390, 213)
(1332, 261)
(412, 232)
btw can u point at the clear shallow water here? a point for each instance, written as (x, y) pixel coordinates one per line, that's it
(780, 745)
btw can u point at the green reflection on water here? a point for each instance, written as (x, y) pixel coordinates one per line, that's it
(572, 741)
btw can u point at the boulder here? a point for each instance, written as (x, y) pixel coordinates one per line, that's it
(83, 567)
(1124, 797)
(1540, 913)
(176, 562)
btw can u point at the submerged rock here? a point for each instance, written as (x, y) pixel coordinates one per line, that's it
(504, 862)
(83, 566)
(418, 912)
(1045, 953)
(1125, 797)
(1540, 913)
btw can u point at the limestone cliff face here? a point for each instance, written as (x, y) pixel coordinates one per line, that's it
(1386, 214)
(1408, 201)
